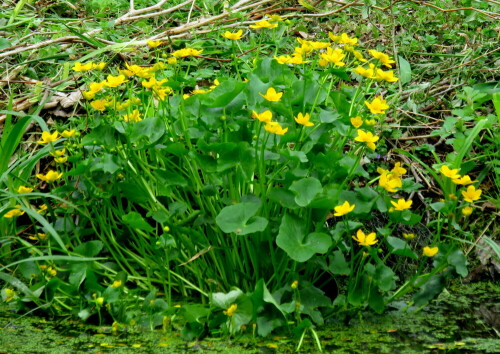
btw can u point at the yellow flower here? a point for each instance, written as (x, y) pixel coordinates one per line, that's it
(171, 61)
(318, 45)
(114, 81)
(163, 92)
(408, 236)
(196, 92)
(378, 105)
(383, 58)
(275, 128)
(370, 122)
(158, 66)
(136, 70)
(135, 116)
(356, 122)
(48, 138)
(389, 181)
(14, 212)
(402, 204)
(94, 88)
(234, 36)
(344, 209)
(398, 170)
(134, 100)
(42, 208)
(358, 55)
(365, 240)
(61, 159)
(58, 153)
(465, 180)
(334, 56)
(446, 171)
(50, 176)
(271, 95)
(467, 210)
(9, 294)
(386, 75)
(368, 73)
(304, 49)
(275, 18)
(430, 251)
(116, 284)
(264, 117)
(186, 52)
(295, 284)
(82, 67)
(99, 105)
(343, 39)
(152, 82)
(304, 119)
(154, 44)
(68, 133)
(471, 194)
(368, 138)
(263, 24)
(231, 310)
(23, 189)
(216, 83)
(100, 66)
(287, 59)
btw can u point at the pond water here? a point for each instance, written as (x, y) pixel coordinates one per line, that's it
(464, 319)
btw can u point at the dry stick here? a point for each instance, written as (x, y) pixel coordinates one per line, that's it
(471, 61)
(480, 236)
(492, 15)
(128, 17)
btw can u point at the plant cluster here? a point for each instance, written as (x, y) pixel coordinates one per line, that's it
(256, 189)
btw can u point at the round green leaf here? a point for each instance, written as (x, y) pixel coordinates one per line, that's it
(292, 238)
(240, 219)
(306, 189)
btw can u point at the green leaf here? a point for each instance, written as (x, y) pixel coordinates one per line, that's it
(400, 247)
(458, 260)
(404, 70)
(376, 301)
(223, 300)
(338, 264)
(4, 43)
(433, 287)
(228, 95)
(151, 128)
(240, 219)
(136, 221)
(292, 238)
(192, 330)
(284, 197)
(496, 104)
(306, 189)
(106, 163)
(385, 277)
(242, 315)
(89, 249)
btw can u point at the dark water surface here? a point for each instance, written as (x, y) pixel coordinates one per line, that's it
(465, 319)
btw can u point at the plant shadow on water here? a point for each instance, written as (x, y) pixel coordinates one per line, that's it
(464, 320)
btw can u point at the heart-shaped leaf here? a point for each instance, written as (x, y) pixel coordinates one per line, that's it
(293, 239)
(306, 189)
(240, 219)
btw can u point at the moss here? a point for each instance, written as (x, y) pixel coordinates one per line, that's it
(450, 323)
